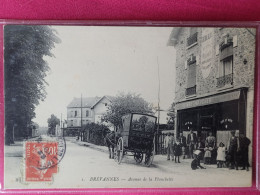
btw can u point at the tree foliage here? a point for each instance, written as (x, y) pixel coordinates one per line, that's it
(25, 72)
(123, 104)
(52, 122)
(95, 133)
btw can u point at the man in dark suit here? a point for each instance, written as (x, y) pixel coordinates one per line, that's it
(191, 142)
(183, 144)
(244, 143)
(233, 145)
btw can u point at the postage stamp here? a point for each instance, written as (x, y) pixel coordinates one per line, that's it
(41, 160)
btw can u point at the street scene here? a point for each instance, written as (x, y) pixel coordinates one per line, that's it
(123, 107)
(85, 163)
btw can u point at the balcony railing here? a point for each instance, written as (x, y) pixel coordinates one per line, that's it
(191, 91)
(192, 39)
(225, 80)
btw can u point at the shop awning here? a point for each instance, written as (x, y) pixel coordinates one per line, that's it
(203, 101)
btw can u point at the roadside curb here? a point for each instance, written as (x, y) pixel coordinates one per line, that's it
(92, 146)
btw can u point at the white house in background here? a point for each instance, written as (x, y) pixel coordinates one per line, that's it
(92, 109)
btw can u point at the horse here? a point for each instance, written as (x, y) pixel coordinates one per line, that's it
(110, 142)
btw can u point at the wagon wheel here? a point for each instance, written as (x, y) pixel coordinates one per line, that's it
(120, 150)
(149, 157)
(138, 157)
(115, 154)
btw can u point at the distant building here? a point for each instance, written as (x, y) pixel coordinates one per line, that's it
(92, 109)
(214, 80)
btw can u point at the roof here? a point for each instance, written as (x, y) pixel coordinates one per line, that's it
(173, 39)
(110, 98)
(87, 102)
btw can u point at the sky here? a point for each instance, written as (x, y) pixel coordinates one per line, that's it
(98, 61)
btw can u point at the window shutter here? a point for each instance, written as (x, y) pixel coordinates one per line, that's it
(217, 50)
(235, 41)
(191, 76)
(225, 40)
(220, 69)
(197, 60)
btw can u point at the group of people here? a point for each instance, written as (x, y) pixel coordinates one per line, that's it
(235, 153)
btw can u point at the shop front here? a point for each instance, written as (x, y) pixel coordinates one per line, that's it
(217, 113)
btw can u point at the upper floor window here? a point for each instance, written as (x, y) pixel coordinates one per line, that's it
(71, 123)
(226, 63)
(87, 113)
(75, 113)
(193, 38)
(191, 82)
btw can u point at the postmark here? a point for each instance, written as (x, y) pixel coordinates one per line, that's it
(42, 158)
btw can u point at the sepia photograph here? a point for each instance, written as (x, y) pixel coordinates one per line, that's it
(128, 106)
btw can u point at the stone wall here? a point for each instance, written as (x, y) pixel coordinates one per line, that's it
(243, 67)
(243, 73)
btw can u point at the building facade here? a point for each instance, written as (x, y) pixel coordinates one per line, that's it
(214, 81)
(86, 110)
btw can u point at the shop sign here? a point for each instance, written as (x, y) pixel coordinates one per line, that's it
(207, 51)
(226, 120)
(188, 123)
(209, 100)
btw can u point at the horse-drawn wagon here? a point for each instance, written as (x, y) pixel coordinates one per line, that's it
(136, 138)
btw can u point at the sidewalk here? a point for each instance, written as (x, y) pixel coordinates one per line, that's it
(159, 160)
(14, 150)
(87, 144)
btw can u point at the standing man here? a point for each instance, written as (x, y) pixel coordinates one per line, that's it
(233, 146)
(191, 142)
(244, 143)
(183, 144)
(168, 144)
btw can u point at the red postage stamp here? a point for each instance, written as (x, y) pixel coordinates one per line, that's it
(40, 161)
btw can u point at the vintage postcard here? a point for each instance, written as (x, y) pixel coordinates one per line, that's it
(128, 107)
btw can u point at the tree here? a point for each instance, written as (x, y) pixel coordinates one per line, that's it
(123, 104)
(95, 133)
(25, 71)
(52, 122)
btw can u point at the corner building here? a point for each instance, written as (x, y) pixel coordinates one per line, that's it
(214, 81)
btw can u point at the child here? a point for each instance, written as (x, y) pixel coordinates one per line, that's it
(195, 164)
(177, 150)
(207, 155)
(221, 157)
